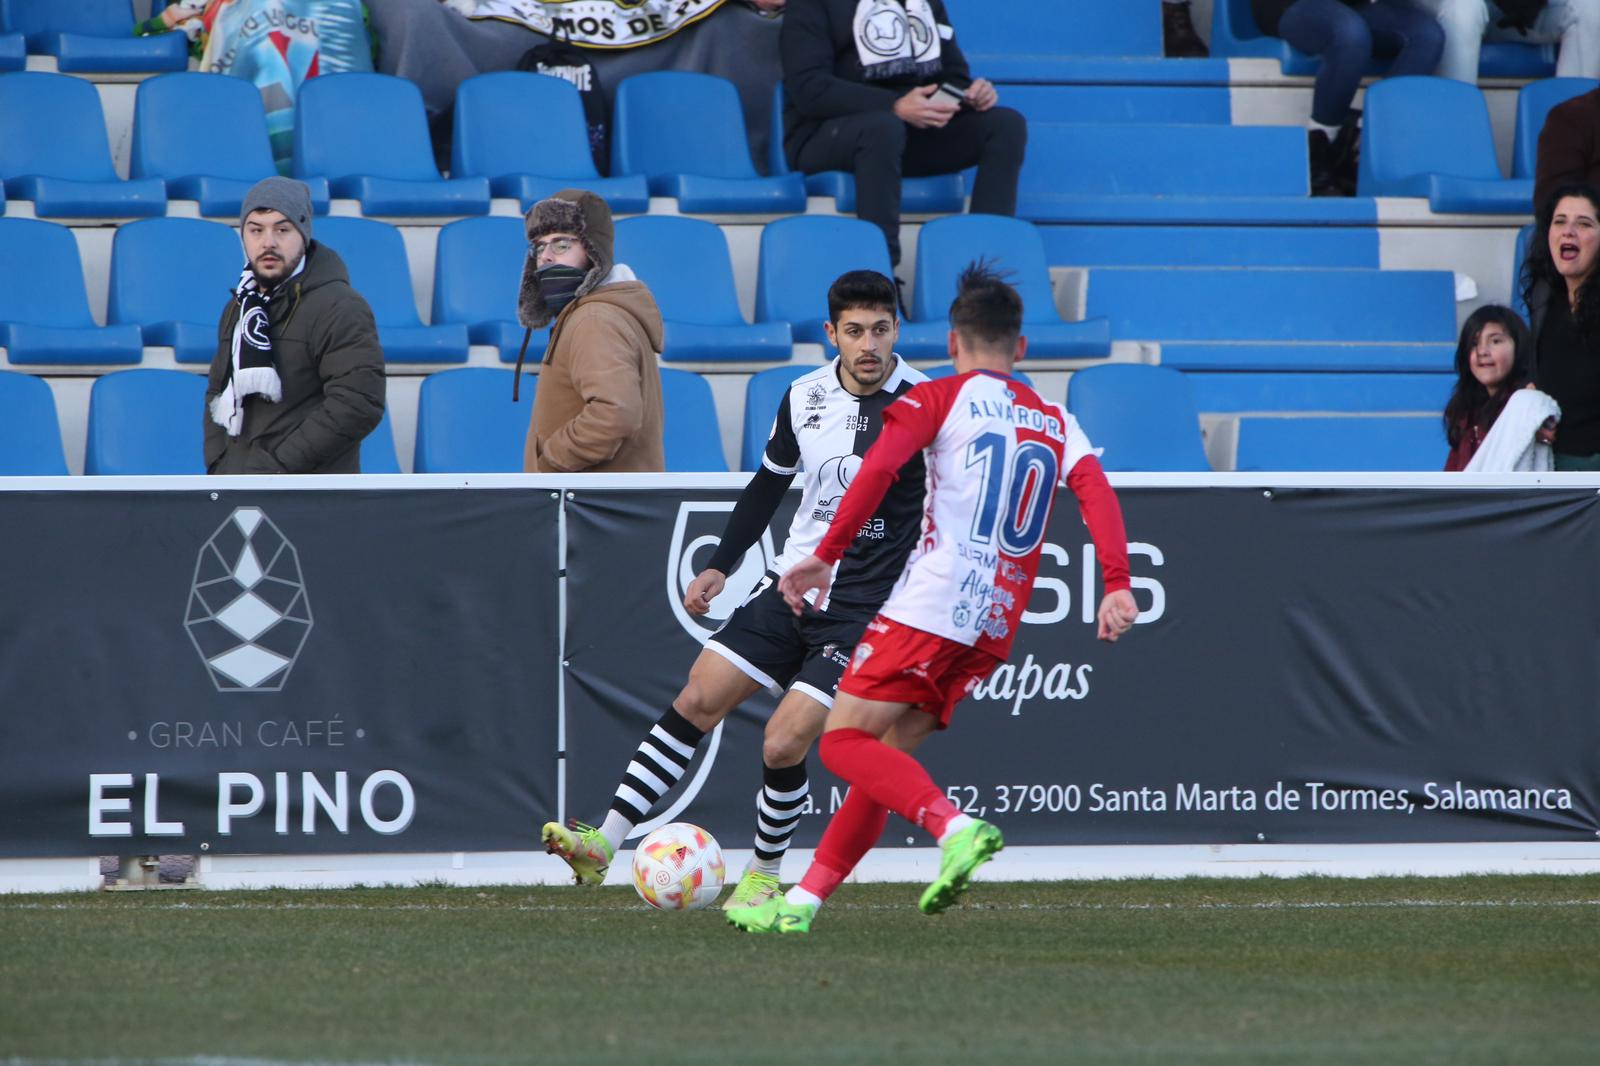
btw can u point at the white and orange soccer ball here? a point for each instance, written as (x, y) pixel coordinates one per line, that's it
(678, 867)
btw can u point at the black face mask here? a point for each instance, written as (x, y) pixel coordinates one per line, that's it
(558, 284)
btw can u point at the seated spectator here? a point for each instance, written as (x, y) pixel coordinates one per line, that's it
(1563, 298)
(1346, 34)
(1569, 147)
(1178, 37)
(883, 91)
(1494, 360)
(1468, 23)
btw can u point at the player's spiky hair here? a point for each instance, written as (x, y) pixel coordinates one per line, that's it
(987, 311)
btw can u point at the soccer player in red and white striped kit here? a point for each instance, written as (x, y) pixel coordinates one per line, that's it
(994, 453)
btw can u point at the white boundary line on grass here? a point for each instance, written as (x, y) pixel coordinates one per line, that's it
(971, 905)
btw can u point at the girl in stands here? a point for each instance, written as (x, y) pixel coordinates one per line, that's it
(1346, 34)
(1494, 360)
(1563, 297)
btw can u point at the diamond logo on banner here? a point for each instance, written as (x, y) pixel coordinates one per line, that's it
(248, 612)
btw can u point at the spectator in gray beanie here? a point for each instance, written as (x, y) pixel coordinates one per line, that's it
(297, 380)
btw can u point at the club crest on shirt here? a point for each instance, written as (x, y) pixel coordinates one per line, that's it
(961, 615)
(815, 396)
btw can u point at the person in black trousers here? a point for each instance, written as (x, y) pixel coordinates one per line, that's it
(880, 88)
(1346, 34)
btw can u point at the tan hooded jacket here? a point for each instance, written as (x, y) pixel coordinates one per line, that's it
(597, 406)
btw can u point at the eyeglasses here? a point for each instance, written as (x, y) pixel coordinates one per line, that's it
(559, 246)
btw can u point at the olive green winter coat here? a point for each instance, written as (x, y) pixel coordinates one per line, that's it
(325, 347)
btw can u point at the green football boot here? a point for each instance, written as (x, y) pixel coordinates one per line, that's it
(583, 849)
(776, 915)
(961, 855)
(753, 889)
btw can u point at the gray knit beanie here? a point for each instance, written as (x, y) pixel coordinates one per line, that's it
(285, 195)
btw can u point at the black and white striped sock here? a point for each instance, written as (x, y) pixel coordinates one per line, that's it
(659, 763)
(779, 805)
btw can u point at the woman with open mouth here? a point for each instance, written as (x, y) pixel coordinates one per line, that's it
(1559, 284)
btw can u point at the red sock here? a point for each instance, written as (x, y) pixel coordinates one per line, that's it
(890, 777)
(851, 832)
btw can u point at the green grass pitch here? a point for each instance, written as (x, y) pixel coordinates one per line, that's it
(1310, 970)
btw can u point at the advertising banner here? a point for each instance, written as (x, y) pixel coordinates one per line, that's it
(276, 671)
(1312, 665)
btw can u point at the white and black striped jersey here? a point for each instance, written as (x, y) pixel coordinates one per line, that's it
(824, 430)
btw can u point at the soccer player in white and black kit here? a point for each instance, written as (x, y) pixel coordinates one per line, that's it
(825, 424)
(994, 452)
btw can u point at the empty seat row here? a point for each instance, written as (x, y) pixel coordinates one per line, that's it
(169, 278)
(148, 422)
(1147, 418)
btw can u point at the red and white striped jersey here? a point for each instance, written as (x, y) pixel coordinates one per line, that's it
(994, 452)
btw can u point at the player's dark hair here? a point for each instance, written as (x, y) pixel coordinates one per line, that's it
(865, 290)
(987, 311)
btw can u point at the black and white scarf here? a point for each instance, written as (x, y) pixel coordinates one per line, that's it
(251, 371)
(896, 40)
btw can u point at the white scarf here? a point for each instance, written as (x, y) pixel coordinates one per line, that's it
(894, 41)
(1510, 444)
(251, 370)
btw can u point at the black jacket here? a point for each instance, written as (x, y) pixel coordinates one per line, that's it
(823, 77)
(325, 346)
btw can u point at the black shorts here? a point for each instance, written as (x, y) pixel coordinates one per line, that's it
(772, 646)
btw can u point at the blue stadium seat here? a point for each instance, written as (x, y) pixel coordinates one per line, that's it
(30, 435)
(1153, 173)
(1431, 137)
(44, 311)
(1168, 104)
(170, 277)
(527, 134)
(700, 306)
(1258, 246)
(799, 260)
(690, 432)
(217, 169)
(761, 395)
(368, 134)
(1308, 320)
(1096, 41)
(467, 423)
(1234, 33)
(1534, 101)
(477, 274)
(65, 176)
(704, 163)
(1144, 417)
(1229, 392)
(938, 194)
(146, 422)
(379, 269)
(92, 36)
(377, 449)
(949, 244)
(1518, 304)
(1333, 444)
(13, 51)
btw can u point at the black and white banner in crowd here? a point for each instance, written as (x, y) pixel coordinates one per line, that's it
(277, 671)
(1312, 665)
(594, 23)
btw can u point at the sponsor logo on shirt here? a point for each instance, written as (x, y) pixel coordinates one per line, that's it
(814, 422)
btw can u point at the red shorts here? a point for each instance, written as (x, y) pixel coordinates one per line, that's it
(897, 663)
